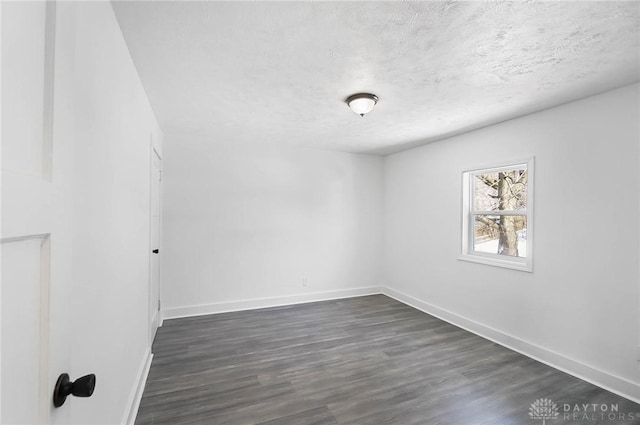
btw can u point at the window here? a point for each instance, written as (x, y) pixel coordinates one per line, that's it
(496, 216)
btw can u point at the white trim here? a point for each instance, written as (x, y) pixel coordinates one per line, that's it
(610, 382)
(499, 213)
(1, 231)
(499, 166)
(514, 264)
(467, 216)
(136, 393)
(229, 306)
(616, 384)
(154, 304)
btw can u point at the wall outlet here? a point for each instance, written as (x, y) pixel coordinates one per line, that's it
(304, 281)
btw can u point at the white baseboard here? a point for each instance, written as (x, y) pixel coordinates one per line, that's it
(603, 379)
(136, 393)
(226, 307)
(609, 382)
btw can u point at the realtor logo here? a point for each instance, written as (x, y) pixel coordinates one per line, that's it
(543, 408)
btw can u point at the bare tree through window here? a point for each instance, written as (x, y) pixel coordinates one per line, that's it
(497, 223)
(504, 191)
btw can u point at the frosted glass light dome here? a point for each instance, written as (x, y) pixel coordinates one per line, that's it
(362, 103)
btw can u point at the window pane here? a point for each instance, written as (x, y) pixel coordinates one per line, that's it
(506, 190)
(505, 235)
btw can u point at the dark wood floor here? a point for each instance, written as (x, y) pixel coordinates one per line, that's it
(358, 361)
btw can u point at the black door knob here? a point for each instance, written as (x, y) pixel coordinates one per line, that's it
(81, 387)
(155, 251)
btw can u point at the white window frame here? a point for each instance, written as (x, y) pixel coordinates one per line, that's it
(498, 260)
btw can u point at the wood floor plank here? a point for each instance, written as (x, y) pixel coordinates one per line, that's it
(359, 361)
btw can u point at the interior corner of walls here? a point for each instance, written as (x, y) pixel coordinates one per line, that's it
(591, 374)
(133, 404)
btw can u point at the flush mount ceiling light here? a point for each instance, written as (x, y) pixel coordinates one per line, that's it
(362, 103)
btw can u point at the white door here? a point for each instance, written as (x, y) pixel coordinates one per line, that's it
(154, 280)
(34, 234)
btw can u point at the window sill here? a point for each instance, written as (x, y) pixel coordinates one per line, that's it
(496, 262)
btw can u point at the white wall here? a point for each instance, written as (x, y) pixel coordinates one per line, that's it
(580, 307)
(104, 119)
(250, 222)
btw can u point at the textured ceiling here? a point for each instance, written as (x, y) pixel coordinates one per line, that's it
(280, 71)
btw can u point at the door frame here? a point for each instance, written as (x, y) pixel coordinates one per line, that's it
(153, 154)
